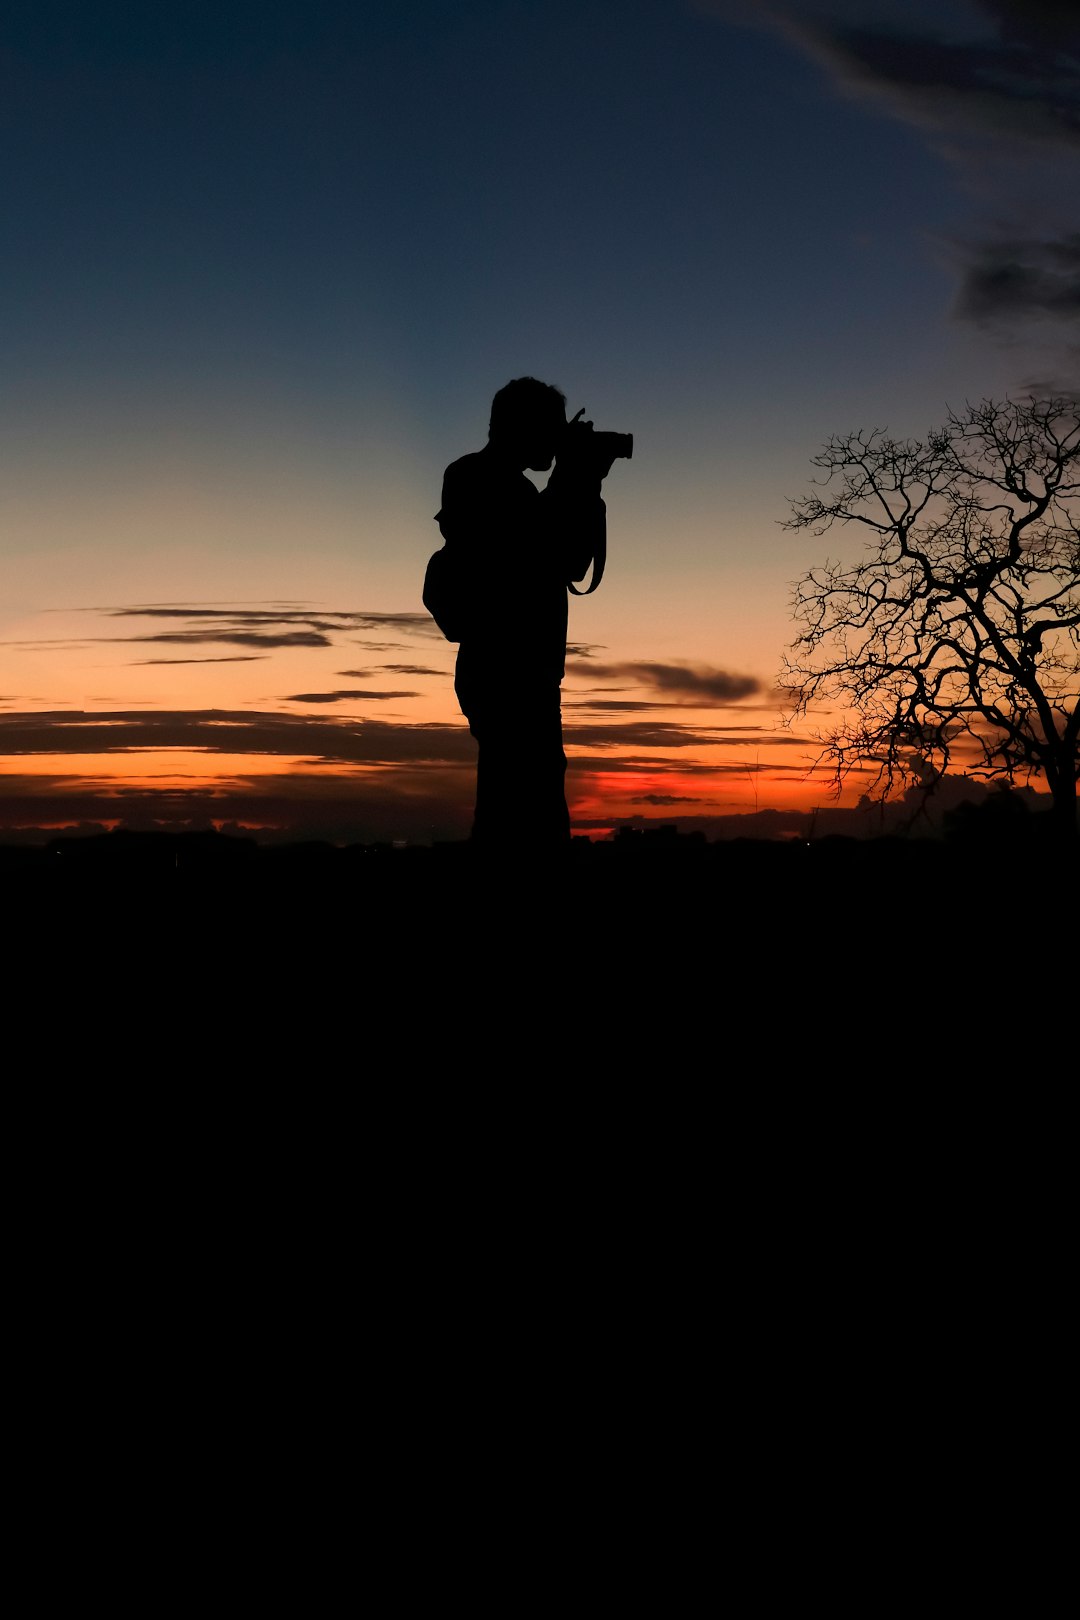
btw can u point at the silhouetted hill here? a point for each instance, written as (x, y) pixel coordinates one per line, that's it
(984, 846)
(209, 973)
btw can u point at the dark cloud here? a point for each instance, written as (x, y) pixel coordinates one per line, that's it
(645, 734)
(323, 620)
(236, 638)
(345, 740)
(664, 798)
(390, 669)
(421, 622)
(229, 658)
(382, 646)
(617, 705)
(275, 626)
(701, 683)
(1042, 23)
(1017, 74)
(340, 697)
(60, 644)
(995, 87)
(661, 765)
(255, 618)
(420, 804)
(233, 732)
(1010, 279)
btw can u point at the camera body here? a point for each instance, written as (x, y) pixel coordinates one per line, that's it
(584, 447)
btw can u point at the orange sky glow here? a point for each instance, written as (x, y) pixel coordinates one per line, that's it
(265, 290)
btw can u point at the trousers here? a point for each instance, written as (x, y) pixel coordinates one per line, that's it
(521, 764)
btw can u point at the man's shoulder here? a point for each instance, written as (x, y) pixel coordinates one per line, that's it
(466, 465)
(480, 471)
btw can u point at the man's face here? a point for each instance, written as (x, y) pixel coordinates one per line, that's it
(540, 439)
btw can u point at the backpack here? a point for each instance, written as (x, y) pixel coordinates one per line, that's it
(446, 597)
(443, 594)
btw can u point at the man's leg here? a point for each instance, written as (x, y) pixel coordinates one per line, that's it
(521, 764)
(520, 775)
(540, 764)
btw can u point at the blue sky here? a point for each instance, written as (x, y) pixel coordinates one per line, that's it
(266, 264)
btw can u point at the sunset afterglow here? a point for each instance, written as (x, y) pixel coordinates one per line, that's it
(270, 264)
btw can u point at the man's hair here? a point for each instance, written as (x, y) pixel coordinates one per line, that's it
(523, 399)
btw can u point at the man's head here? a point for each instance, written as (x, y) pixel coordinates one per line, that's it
(527, 420)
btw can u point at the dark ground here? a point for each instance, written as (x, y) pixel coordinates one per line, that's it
(758, 1146)
(654, 932)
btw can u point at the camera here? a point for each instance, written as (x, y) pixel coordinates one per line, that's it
(585, 447)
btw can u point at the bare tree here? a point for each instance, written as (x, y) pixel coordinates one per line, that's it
(956, 639)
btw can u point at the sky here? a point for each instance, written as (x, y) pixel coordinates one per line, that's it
(265, 265)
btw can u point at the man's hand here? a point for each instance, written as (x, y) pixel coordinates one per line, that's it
(588, 455)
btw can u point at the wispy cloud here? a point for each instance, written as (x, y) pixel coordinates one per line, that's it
(266, 628)
(383, 646)
(1011, 72)
(269, 626)
(390, 669)
(662, 734)
(596, 705)
(260, 617)
(218, 731)
(366, 694)
(663, 798)
(603, 737)
(236, 638)
(994, 88)
(228, 658)
(1015, 278)
(340, 741)
(698, 685)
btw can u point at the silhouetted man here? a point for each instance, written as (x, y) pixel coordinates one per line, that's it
(515, 549)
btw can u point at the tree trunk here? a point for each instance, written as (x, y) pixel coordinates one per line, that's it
(1063, 789)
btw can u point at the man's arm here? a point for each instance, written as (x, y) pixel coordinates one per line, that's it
(576, 518)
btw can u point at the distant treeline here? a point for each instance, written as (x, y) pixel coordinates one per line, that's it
(979, 827)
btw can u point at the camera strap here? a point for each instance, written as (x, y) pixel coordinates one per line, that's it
(598, 561)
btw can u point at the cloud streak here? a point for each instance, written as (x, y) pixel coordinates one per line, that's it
(698, 685)
(222, 731)
(235, 638)
(994, 86)
(366, 694)
(665, 734)
(272, 627)
(391, 669)
(259, 618)
(268, 629)
(1014, 279)
(218, 731)
(231, 658)
(1017, 74)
